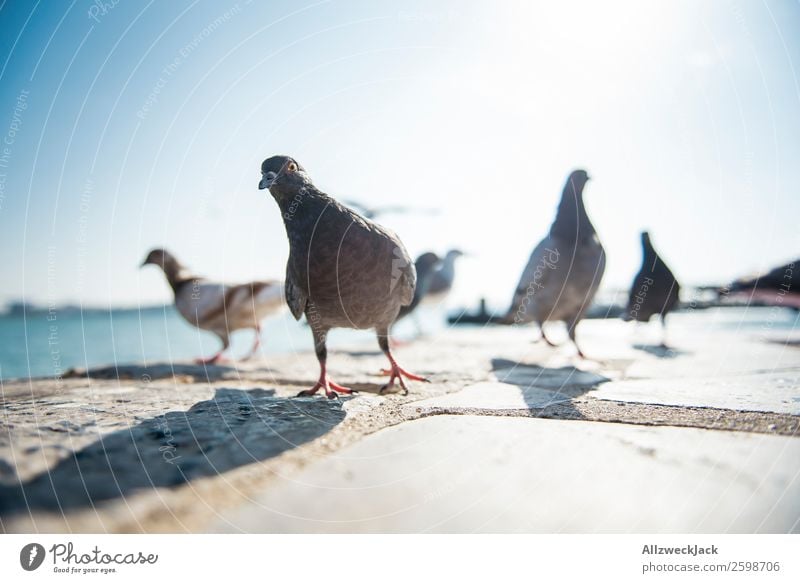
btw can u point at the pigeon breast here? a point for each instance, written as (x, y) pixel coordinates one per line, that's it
(343, 269)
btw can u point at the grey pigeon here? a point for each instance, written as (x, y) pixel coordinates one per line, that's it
(426, 268)
(218, 307)
(564, 270)
(344, 271)
(443, 277)
(777, 287)
(654, 291)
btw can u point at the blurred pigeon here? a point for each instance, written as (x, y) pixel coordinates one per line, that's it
(564, 270)
(443, 277)
(426, 268)
(655, 289)
(778, 287)
(217, 307)
(344, 271)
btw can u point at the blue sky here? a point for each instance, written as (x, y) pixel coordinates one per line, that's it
(144, 124)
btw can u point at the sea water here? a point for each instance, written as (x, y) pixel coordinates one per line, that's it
(42, 343)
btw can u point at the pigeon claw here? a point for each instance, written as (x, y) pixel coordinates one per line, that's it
(215, 359)
(396, 372)
(410, 376)
(390, 384)
(331, 389)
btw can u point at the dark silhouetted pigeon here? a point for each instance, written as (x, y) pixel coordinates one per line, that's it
(777, 287)
(654, 291)
(344, 271)
(564, 270)
(218, 307)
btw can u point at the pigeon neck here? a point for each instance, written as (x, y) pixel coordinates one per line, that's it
(571, 218)
(301, 211)
(176, 274)
(647, 249)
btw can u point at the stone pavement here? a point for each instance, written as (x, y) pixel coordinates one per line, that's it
(511, 436)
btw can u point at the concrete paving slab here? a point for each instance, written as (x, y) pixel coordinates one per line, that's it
(495, 396)
(488, 474)
(770, 392)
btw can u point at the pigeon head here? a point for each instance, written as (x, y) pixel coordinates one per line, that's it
(647, 246)
(160, 257)
(454, 254)
(578, 180)
(282, 174)
(426, 262)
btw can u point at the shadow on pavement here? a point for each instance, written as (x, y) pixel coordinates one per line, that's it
(543, 387)
(661, 351)
(235, 428)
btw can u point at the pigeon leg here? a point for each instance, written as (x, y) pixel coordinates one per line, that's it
(256, 343)
(545, 338)
(331, 389)
(215, 358)
(571, 330)
(396, 371)
(664, 331)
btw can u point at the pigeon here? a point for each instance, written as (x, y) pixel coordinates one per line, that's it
(344, 271)
(443, 277)
(564, 270)
(778, 287)
(217, 307)
(426, 268)
(655, 289)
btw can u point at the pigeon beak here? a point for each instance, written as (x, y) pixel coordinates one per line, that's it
(145, 262)
(267, 180)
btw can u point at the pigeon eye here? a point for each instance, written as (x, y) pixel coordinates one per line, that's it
(292, 167)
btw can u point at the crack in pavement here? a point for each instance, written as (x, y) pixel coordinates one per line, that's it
(641, 414)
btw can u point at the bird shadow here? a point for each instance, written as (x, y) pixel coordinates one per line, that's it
(155, 371)
(794, 343)
(544, 388)
(661, 350)
(233, 429)
(362, 353)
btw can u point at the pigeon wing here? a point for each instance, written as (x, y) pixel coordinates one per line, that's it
(534, 277)
(296, 297)
(407, 283)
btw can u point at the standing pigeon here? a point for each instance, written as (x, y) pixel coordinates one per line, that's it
(344, 271)
(565, 268)
(217, 307)
(426, 268)
(443, 277)
(655, 289)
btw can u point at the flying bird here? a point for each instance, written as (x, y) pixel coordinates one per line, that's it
(344, 271)
(564, 270)
(218, 307)
(443, 277)
(654, 290)
(426, 268)
(778, 287)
